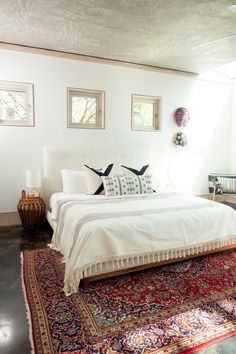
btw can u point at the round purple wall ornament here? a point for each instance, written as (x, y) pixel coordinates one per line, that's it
(181, 116)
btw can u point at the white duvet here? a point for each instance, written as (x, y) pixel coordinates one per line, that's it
(97, 235)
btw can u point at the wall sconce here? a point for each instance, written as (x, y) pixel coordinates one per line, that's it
(33, 181)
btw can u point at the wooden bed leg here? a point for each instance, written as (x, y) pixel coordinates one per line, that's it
(84, 283)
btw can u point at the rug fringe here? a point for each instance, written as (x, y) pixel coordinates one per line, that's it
(28, 313)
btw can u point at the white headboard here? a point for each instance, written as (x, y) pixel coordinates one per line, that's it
(73, 157)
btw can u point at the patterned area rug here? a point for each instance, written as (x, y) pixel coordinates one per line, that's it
(170, 309)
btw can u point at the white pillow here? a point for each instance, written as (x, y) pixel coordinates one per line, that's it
(74, 182)
(127, 185)
(130, 171)
(94, 180)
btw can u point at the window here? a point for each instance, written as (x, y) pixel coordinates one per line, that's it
(85, 108)
(16, 104)
(146, 113)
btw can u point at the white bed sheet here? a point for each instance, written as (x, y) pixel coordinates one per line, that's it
(97, 233)
(57, 199)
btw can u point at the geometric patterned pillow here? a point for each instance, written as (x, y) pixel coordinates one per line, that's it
(127, 185)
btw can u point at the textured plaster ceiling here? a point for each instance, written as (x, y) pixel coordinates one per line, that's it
(162, 33)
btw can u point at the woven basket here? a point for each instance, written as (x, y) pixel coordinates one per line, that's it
(31, 211)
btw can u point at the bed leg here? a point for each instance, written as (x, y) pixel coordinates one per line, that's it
(84, 283)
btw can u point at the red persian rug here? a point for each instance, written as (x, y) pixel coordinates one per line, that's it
(171, 309)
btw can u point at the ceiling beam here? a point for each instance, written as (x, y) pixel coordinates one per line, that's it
(93, 59)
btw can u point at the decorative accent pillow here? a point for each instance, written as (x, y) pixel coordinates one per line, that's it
(93, 178)
(127, 185)
(73, 181)
(129, 171)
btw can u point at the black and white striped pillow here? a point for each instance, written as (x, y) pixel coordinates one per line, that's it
(130, 171)
(94, 180)
(127, 185)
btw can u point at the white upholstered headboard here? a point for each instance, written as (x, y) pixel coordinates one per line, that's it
(56, 158)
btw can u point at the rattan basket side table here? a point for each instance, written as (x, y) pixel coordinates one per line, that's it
(31, 211)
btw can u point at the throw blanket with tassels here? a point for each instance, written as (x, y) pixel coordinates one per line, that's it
(106, 235)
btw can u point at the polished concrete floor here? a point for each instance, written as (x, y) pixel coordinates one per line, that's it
(14, 338)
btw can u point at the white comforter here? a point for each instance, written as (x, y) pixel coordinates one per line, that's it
(98, 235)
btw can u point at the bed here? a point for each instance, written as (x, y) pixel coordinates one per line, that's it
(103, 236)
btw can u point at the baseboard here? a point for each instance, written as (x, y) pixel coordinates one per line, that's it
(8, 219)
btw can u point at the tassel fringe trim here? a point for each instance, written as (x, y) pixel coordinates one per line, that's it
(72, 280)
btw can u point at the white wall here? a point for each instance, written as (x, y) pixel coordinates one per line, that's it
(232, 164)
(209, 105)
